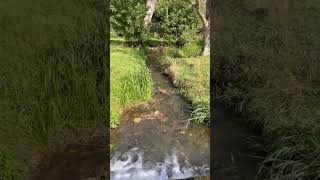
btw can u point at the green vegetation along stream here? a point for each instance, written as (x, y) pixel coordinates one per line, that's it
(153, 141)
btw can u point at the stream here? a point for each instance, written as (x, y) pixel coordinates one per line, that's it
(153, 141)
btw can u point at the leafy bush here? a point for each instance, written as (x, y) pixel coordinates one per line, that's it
(175, 21)
(127, 19)
(173, 18)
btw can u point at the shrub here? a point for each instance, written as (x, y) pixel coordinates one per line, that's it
(173, 18)
(127, 20)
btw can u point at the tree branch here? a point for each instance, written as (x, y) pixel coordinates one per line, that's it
(201, 15)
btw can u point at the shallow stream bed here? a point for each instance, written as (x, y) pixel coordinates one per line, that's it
(154, 142)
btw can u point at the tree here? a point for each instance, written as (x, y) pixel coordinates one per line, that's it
(127, 19)
(174, 19)
(151, 5)
(202, 9)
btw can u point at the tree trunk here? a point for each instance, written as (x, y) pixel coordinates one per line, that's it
(151, 5)
(205, 19)
(206, 47)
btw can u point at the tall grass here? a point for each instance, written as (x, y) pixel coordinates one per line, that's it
(130, 80)
(267, 67)
(53, 68)
(192, 77)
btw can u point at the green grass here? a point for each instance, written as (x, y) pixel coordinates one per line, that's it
(130, 80)
(192, 77)
(267, 68)
(52, 72)
(191, 48)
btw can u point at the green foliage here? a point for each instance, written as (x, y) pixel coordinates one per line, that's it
(127, 19)
(267, 68)
(173, 18)
(9, 169)
(52, 69)
(130, 80)
(174, 21)
(190, 49)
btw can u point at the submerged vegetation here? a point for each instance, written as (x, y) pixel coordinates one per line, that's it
(268, 68)
(52, 70)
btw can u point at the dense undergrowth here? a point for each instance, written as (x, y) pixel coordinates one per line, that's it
(267, 67)
(52, 70)
(130, 80)
(191, 74)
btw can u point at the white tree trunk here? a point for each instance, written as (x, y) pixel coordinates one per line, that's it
(206, 47)
(205, 19)
(151, 5)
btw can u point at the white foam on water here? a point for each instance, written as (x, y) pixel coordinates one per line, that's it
(130, 165)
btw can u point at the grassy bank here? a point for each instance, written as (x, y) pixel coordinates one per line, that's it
(130, 80)
(52, 68)
(192, 76)
(267, 67)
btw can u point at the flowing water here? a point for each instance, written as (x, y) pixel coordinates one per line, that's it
(154, 142)
(151, 143)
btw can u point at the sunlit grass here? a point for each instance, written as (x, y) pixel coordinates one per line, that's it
(130, 80)
(192, 77)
